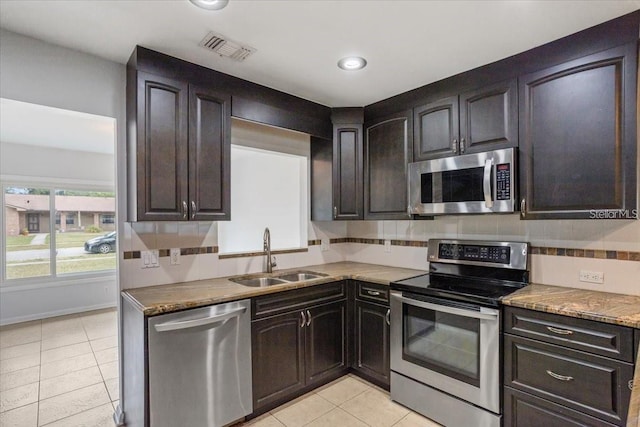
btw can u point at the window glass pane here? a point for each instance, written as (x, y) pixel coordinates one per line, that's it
(83, 241)
(268, 189)
(27, 225)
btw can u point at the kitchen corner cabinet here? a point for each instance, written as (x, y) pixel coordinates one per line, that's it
(179, 150)
(336, 169)
(371, 333)
(478, 120)
(564, 371)
(578, 141)
(298, 342)
(387, 152)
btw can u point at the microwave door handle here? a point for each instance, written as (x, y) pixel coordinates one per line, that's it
(485, 314)
(486, 183)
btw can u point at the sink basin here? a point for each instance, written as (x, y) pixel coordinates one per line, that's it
(258, 281)
(299, 276)
(294, 276)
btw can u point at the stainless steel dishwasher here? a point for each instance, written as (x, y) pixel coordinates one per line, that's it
(200, 366)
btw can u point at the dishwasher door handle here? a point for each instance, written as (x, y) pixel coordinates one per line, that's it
(185, 324)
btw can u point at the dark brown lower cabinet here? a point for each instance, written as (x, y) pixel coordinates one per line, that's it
(277, 350)
(552, 379)
(371, 360)
(298, 350)
(524, 410)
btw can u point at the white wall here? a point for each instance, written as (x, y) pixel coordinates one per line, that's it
(41, 73)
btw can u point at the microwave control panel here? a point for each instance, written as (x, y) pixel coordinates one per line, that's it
(503, 181)
(479, 253)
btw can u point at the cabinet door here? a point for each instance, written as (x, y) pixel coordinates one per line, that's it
(209, 154)
(372, 342)
(325, 350)
(578, 137)
(347, 172)
(489, 118)
(387, 153)
(277, 352)
(161, 149)
(436, 132)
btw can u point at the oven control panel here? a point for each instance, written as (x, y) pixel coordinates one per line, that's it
(478, 253)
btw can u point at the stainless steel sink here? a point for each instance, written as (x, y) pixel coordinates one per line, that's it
(262, 281)
(299, 276)
(258, 281)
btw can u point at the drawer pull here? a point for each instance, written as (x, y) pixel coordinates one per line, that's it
(374, 293)
(559, 331)
(559, 377)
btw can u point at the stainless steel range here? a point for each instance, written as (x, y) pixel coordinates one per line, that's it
(445, 331)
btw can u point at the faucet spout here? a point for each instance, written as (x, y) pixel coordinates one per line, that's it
(270, 262)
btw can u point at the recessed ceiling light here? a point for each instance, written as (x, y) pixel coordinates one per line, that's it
(210, 4)
(352, 63)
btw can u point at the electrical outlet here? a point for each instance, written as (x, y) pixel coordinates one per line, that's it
(387, 245)
(591, 276)
(174, 254)
(324, 245)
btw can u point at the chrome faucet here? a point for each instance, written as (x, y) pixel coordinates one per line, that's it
(270, 261)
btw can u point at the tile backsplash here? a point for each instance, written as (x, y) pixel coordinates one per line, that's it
(599, 236)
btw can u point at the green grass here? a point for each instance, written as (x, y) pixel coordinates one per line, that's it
(79, 264)
(63, 240)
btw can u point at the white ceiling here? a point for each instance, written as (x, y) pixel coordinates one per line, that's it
(40, 126)
(407, 43)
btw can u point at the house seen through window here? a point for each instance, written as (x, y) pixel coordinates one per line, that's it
(54, 232)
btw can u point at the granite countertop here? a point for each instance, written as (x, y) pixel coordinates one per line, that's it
(160, 299)
(604, 307)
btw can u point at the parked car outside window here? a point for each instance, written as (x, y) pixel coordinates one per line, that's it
(102, 245)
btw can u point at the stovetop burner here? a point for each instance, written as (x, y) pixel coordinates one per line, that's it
(470, 271)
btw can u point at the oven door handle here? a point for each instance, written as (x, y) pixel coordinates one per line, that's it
(483, 314)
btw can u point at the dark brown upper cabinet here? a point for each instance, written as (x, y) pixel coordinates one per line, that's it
(179, 149)
(578, 137)
(478, 120)
(387, 152)
(336, 169)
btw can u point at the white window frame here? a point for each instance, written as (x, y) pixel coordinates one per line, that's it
(51, 280)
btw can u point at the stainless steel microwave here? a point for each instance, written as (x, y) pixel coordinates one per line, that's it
(471, 183)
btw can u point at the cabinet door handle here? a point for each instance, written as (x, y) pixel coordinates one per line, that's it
(335, 212)
(462, 147)
(454, 146)
(559, 377)
(193, 209)
(374, 293)
(304, 320)
(388, 317)
(184, 209)
(523, 206)
(308, 317)
(559, 331)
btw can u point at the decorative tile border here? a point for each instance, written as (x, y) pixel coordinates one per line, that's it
(535, 250)
(586, 253)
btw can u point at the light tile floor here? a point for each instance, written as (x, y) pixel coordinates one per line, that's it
(61, 371)
(346, 402)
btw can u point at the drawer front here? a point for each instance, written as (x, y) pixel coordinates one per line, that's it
(587, 335)
(595, 385)
(371, 292)
(282, 302)
(524, 410)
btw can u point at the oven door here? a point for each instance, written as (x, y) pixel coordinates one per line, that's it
(453, 347)
(471, 183)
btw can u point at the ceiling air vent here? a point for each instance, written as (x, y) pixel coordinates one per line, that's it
(225, 47)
